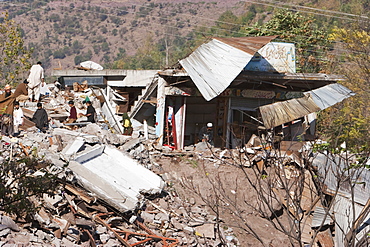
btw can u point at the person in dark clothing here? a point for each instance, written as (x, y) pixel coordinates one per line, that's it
(72, 112)
(90, 113)
(40, 118)
(8, 91)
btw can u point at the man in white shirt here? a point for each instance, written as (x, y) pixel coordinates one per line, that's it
(36, 80)
(17, 117)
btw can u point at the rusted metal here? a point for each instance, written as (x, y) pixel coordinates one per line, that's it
(98, 219)
(24, 149)
(124, 235)
(283, 112)
(247, 44)
(92, 240)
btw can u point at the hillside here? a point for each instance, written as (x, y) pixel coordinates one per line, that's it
(66, 32)
(71, 31)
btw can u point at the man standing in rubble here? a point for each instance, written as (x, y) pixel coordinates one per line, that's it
(90, 113)
(40, 118)
(36, 80)
(17, 118)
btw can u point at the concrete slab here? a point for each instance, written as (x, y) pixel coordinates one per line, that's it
(115, 177)
(88, 138)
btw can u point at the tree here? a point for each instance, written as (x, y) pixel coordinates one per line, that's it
(310, 40)
(227, 24)
(14, 55)
(19, 183)
(349, 122)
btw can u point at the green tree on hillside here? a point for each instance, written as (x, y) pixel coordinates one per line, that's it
(311, 41)
(14, 55)
(350, 121)
(227, 24)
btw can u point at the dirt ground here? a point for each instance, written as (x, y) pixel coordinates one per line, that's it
(223, 188)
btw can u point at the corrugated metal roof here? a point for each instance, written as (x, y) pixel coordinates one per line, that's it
(314, 100)
(329, 95)
(282, 112)
(320, 216)
(214, 65)
(343, 213)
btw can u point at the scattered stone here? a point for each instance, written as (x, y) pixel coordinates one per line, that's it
(101, 229)
(104, 238)
(147, 217)
(5, 232)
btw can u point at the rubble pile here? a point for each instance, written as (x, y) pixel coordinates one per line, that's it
(73, 216)
(77, 216)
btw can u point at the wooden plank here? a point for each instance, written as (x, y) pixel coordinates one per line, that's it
(79, 193)
(325, 239)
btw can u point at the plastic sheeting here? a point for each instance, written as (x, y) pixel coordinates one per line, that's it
(91, 65)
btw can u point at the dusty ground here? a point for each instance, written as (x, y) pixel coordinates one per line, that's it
(224, 190)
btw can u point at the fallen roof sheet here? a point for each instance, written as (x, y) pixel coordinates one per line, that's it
(319, 99)
(214, 65)
(329, 95)
(344, 210)
(335, 171)
(115, 177)
(282, 112)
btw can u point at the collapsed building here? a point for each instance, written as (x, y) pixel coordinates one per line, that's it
(244, 86)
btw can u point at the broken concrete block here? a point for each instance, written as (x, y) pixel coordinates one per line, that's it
(206, 230)
(202, 146)
(7, 222)
(104, 238)
(194, 223)
(67, 243)
(56, 242)
(115, 177)
(72, 148)
(21, 238)
(73, 134)
(113, 243)
(147, 217)
(92, 129)
(5, 232)
(176, 224)
(101, 229)
(188, 229)
(131, 144)
(162, 217)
